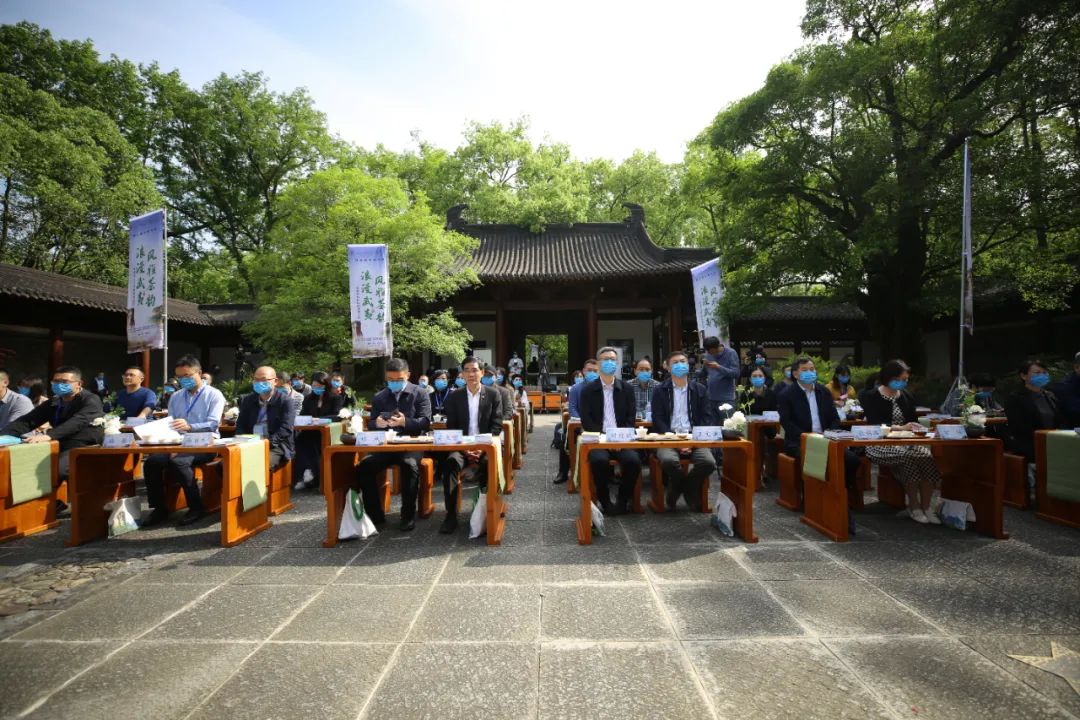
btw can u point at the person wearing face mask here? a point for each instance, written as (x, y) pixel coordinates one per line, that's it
(787, 381)
(336, 388)
(762, 397)
(644, 386)
(1033, 407)
(609, 402)
(406, 409)
(321, 403)
(13, 405)
(166, 395)
(424, 383)
(840, 386)
(34, 388)
(283, 385)
(442, 390)
(298, 384)
(757, 359)
(459, 380)
(720, 370)
(984, 385)
(498, 376)
(268, 414)
(678, 404)
(70, 415)
(516, 364)
(912, 465)
(590, 372)
(807, 406)
(521, 396)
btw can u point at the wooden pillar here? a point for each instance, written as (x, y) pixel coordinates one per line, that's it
(145, 368)
(591, 330)
(675, 323)
(56, 350)
(501, 353)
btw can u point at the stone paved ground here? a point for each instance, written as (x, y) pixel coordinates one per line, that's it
(661, 619)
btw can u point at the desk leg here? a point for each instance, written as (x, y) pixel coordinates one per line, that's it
(93, 481)
(826, 503)
(976, 474)
(496, 507)
(337, 472)
(584, 521)
(738, 480)
(237, 525)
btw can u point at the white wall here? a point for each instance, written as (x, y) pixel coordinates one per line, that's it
(640, 331)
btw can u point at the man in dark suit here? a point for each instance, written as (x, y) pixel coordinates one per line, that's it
(473, 409)
(269, 414)
(405, 408)
(679, 404)
(807, 406)
(603, 403)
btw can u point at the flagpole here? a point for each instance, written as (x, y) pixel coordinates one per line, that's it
(165, 300)
(965, 259)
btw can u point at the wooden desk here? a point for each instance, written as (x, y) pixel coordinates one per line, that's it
(1053, 509)
(972, 470)
(339, 471)
(508, 455)
(31, 516)
(573, 430)
(738, 482)
(100, 475)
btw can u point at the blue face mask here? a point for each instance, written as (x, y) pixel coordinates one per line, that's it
(608, 367)
(283, 390)
(787, 374)
(578, 380)
(984, 394)
(441, 384)
(1040, 379)
(61, 388)
(335, 384)
(487, 380)
(318, 389)
(188, 383)
(262, 386)
(459, 382)
(644, 376)
(423, 383)
(169, 390)
(897, 385)
(517, 384)
(499, 379)
(843, 379)
(395, 386)
(591, 375)
(680, 369)
(298, 384)
(808, 377)
(759, 361)
(757, 381)
(24, 391)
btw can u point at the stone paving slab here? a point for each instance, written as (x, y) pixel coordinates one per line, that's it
(235, 612)
(582, 612)
(33, 670)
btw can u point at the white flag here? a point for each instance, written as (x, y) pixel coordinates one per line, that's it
(369, 291)
(708, 292)
(146, 283)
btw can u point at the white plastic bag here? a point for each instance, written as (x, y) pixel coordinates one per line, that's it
(355, 523)
(597, 519)
(722, 518)
(122, 519)
(956, 514)
(478, 519)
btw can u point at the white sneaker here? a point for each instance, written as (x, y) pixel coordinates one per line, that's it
(918, 516)
(933, 518)
(308, 476)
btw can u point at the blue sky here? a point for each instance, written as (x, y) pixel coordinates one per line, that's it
(605, 77)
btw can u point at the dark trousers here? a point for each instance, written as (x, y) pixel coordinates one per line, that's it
(851, 464)
(277, 458)
(182, 467)
(702, 465)
(564, 463)
(367, 478)
(307, 455)
(449, 469)
(62, 473)
(630, 464)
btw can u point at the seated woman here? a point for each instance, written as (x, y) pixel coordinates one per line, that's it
(841, 388)
(1031, 408)
(912, 465)
(33, 387)
(984, 386)
(441, 382)
(762, 398)
(520, 395)
(321, 403)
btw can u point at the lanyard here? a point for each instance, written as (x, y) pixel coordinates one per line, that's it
(191, 404)
(442, 400)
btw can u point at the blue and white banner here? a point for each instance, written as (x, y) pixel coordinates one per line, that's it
(369, 301)
(146, 283)
(708, 292)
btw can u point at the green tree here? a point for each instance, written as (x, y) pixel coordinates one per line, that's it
(302, 277)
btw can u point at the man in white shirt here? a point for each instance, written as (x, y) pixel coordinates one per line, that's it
(12, 405)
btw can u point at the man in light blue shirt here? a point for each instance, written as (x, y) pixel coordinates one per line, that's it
(591, 369)
(720, 372)
(197, 407)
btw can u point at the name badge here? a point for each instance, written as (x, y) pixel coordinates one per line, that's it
(485, 439)
(447, 437)
(118, 440)
(951, 432)
(197, 439)
(620, 435)
(771, 415)
(302, 420)
(135, 421)
(708, 433)
(866, 432)
(371, 439)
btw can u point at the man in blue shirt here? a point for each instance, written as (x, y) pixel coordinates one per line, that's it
(197, 407)
(591, 370)
(720, 371)
(135, 401)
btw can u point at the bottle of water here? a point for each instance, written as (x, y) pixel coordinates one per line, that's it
(648, 412)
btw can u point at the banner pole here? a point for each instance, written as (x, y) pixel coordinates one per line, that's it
(165, 299)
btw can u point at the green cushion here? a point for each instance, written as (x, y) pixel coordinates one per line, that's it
(1062, 461)
(31, 471)
(336, 428)
(816, 460)
(577, 463)
(253, 474)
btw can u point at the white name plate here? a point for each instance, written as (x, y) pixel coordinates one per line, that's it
(135, 421)
(485, 439)
(118, 440)
(371, 439)
(620, 435)
(447, 437)
(197, 439)
(771, 415)
(951, 432)
(708, 433)
(866, 432)
(302, 421)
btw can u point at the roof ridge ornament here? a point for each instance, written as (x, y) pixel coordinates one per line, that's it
(454, 219)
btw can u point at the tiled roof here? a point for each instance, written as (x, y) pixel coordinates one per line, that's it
(33, 284)
(234, 314)
(786, 309)
(584, 251)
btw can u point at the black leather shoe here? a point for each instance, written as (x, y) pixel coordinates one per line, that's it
(407, 524)
(192, 516)
(671, 498)
(156, 517)
(449, 524)
(560, 479)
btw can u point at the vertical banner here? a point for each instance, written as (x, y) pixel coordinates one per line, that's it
(968, 321)
(369, 300)
(146, 283)
(708, 292)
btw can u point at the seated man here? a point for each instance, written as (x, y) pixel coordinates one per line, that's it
(268, 414)
(590, 371)
(644, 386)
(406, 409)
(134, 400)
(299, 385)
(196, 407)
(807, 406)
(13, 404)
(474, 409)
(679, 404)
(493, 377)
(285, 387)
(609, 402)
(70, 414)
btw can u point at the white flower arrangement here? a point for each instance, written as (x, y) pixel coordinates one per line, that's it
(736, 423)
(98, 421)
(725, 407)
(231, 414)
(975, 416)
(345, 414)
(356, 424)
(112, 425)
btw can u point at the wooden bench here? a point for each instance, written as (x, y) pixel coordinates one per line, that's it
(789, 473)
(1016, 481)
(657, 491)
(31, 516)
(1062, 512)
